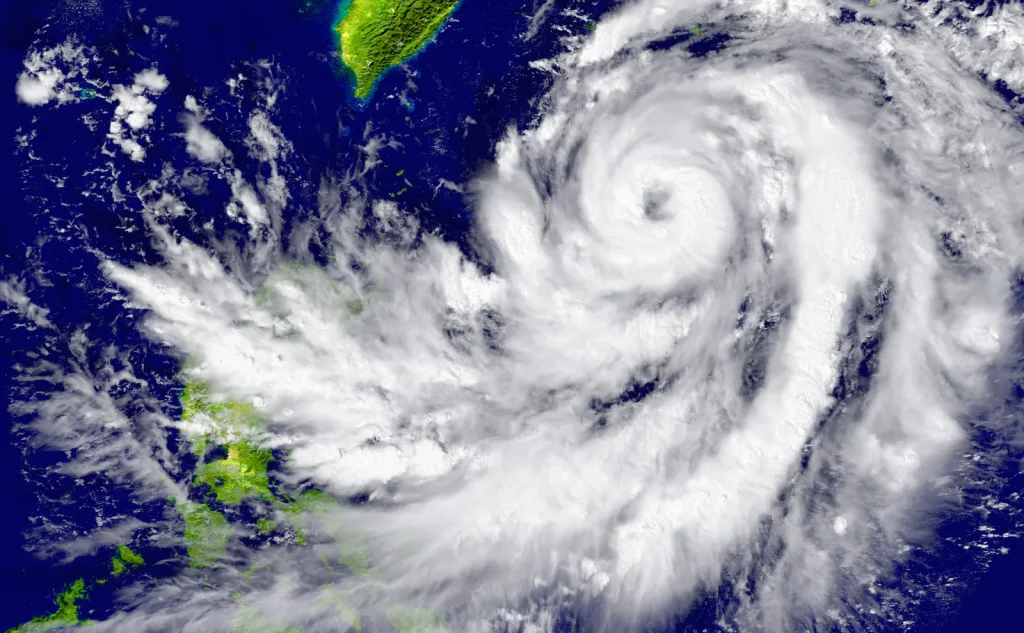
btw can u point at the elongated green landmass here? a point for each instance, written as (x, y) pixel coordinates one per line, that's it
(130, 557)
(125, 560)
(317, 502)
(375, 35)
(195, 399)
(410, 620)
(206, 533)
(66, 614)
(243, 473)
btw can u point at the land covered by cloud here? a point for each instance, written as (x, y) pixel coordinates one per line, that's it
(734, 319)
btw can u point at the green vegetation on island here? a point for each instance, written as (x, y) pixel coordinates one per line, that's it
(125, 560)
(228, 438)
(375, 35)
(317, 502)
(353, 557)
(206, 532)
(316, 507)
(227, 420)
(265, 526)
(352, 554)
(242, 474)
(66, 614)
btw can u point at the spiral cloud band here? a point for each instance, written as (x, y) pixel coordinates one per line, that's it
(650, 383)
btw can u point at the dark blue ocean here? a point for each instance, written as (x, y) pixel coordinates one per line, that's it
(479, 70)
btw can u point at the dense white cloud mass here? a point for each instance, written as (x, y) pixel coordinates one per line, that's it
(639, 390)
(51, 73)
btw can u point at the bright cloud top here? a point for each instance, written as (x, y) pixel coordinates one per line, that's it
(584, 414)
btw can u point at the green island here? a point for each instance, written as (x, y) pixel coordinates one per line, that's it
(228, 419)
(310, 508)
(65, 615)
(375, 35)
(242, 474)
(125, 560)
(206, 532)
(229, 439)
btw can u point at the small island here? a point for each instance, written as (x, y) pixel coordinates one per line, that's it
(66, 614)
(375, 35)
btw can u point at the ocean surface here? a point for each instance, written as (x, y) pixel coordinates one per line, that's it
(432, 127)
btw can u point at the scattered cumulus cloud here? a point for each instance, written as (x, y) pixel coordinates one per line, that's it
(52, 74)
(134, 112)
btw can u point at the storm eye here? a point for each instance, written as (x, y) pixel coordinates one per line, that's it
(655, 203)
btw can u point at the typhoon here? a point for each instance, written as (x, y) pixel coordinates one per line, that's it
(735, 320)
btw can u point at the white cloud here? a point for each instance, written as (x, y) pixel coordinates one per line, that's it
(472, 395)
(36, 90)
(266, 138)
(12, 292)
(151, 80)
(50, 73)
(202, 143)
(713, 227)
(246, 201)
(134, 109)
